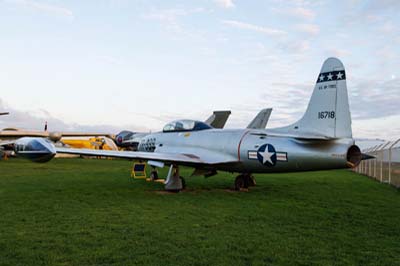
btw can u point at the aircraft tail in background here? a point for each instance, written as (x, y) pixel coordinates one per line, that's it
(261, 120)
(218, 119)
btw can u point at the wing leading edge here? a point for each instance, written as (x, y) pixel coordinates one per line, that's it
(168, 158)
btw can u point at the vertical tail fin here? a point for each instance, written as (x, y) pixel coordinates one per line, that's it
(328, 112)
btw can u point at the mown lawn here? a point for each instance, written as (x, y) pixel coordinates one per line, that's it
(90, 212)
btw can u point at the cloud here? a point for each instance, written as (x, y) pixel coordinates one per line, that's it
(252, 27)
(311, 29)
(107, 59)
(295, 46)
(371, 12)
(172, 14)
(42, 7)
(35, 120)
(301, 12)
(372, 103)
(369, 99)
(373, 106)
(336, 52)
(297, 12)
(225, 3)
(169, 18)
(386, 53)
(383, 128)
(377, 6)
(288, 100)
(166, 15)
(387, 28)
(375, 99)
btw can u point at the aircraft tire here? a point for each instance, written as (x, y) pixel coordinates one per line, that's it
(183, 182)
(240, 182)
(252, 181)
(154, 175)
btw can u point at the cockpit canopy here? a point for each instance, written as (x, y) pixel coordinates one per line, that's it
(185, 125)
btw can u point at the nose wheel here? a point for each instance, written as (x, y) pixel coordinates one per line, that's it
(153, 174)
(183, 181)
(244, 181)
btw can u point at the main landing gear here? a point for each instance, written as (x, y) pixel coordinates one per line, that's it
(174, 181)
(244, 181)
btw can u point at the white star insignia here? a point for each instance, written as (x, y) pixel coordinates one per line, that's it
(321, 78)
(266, 155)
(339, 75)
(330, 76)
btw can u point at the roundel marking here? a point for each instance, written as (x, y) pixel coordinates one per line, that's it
(266, 155)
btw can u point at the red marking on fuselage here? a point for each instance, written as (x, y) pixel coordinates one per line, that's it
(240, 143)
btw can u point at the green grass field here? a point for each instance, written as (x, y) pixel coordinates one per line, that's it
(90, 212)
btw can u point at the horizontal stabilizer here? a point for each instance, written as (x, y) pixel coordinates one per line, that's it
(295, 136)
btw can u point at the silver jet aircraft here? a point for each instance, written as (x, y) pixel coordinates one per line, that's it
(321, 139)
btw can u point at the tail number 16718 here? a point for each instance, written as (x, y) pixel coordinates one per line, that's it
(326, 115)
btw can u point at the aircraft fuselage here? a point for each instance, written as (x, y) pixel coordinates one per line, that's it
(254, 150)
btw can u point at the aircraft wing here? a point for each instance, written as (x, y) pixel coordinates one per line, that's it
(168, 158)
(6, 142)
(85, 134)
(4, 134)
(54, 136)
(261, 120)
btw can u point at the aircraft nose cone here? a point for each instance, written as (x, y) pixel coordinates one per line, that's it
(35, 149)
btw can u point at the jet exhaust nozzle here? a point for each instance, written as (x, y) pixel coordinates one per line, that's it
(38, 150)
(354, 156)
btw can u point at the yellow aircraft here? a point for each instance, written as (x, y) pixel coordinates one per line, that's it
(95, 143)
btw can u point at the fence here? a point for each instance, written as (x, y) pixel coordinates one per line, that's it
(385, 167)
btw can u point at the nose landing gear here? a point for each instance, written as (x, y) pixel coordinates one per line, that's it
(244, 181)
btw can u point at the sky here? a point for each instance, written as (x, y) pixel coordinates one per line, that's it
(111, 65)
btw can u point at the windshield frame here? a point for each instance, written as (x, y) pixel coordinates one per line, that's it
(185, 125)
